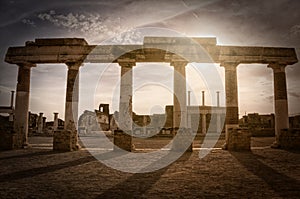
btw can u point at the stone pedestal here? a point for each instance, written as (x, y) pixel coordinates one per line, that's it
(65, 140)
(122, 141)
(8, 141)
(183, 139)
(289, 139)
(238, 140)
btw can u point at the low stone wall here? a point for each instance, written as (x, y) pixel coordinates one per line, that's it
(122, 141)
(289, 139)
(65, 140)
(238, 139)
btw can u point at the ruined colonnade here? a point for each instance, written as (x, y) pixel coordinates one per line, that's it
(176, 51)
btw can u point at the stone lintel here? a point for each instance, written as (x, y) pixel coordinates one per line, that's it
(253, 54)
(59, 42)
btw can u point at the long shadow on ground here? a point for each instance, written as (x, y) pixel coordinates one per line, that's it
(51, 168)
(138, 184)
(283, 185)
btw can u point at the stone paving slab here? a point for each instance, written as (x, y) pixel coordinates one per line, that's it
(42, 173)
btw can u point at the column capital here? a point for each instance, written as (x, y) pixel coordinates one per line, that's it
(126, 62)
(229, 65)
(74, 65)
(179, 63)
(277, 67)
(26, 65)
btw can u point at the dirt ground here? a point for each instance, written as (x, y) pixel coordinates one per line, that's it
(38, 172)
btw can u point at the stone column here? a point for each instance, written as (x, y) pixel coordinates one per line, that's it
(219, 128)
(179, 98)
(40, 123)
(203, 119)
(231, 88)
(44, 123)
(189, 115)
(122, 137)
(22, 105)
(55, 121)
(280, 97)
(203, 98)
(12, 99)
(67, 140)
(218, 98)
(72, 96)
(184, 139)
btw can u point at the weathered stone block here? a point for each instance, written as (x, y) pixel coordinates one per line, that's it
(122, 140)
(65, 141)
(289, 139)
(183, 141)
(8, 141)
(238, 139)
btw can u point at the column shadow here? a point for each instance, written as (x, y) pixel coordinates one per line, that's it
(138, 184)
(283, 185)
(28, 155)
(47, 169)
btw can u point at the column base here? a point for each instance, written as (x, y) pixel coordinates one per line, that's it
(122, 141)
(26, 145)
(184, 140)
(237, 140)
(275, 145)
(288, 139)
(65, 140)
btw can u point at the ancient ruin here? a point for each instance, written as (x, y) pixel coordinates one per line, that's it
(174, 50)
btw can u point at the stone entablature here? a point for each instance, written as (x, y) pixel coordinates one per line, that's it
(154, 49)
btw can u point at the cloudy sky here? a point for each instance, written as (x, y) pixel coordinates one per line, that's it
(232, 22)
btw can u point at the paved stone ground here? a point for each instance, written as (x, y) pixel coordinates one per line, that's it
(42, 173)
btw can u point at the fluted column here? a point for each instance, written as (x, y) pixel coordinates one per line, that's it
(280, 98)
(22, 104)
(72, 96)
(179, 98)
